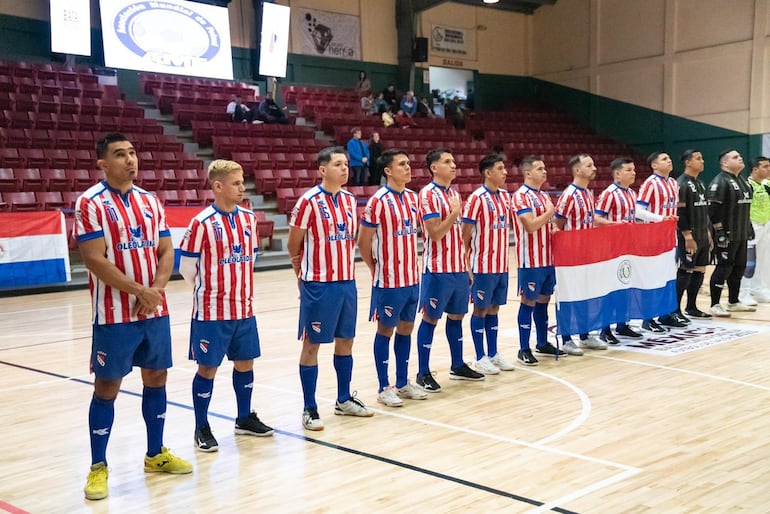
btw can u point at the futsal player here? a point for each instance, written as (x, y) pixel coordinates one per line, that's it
(322, 250)
(387, 240)
(217, 259)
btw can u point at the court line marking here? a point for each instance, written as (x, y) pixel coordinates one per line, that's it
(379, 458)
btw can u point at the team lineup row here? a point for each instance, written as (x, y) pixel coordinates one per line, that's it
(465, 254)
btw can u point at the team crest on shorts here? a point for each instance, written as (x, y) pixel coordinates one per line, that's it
(101, 358)
(316, 326)
(531, 286)
(388, 311)
(433, 302)
(480, 294)
(204, 346)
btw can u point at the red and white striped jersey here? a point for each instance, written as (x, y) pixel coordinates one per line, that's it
(447, 255)
(660, 195)
(534, 249)
(490, 214)
(617, 204)
(224, 244)
(131, 225)
(395, 216)
(330, 241)
(576, 207)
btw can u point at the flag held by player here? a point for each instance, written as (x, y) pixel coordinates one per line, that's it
(614, 274)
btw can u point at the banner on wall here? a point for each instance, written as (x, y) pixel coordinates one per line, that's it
(71, 27)
(460, 43)
(328, 34)
(33, 249)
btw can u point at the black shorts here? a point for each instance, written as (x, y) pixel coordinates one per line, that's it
(701, 257)
(734, 256)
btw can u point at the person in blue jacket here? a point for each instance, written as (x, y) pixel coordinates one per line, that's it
(358, 155)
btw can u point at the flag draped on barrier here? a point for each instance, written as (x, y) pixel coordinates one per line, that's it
(33, 249)
(614, 273)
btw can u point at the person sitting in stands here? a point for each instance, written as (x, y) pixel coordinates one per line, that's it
(363, 85)
(239, 112)
(389, 94)
(368, 107)
(380, 104)
(271, 112)
(424, 109)
(409, 104)
(454, 112)
(404, 121)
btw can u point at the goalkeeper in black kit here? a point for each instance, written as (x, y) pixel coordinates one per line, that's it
(729, 196)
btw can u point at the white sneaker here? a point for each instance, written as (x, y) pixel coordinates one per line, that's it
(571, 348)
(740, 307)
(501, 363)
(311, 420)
(747, 300)
(389, 397)
(484, 365)
(411, 392)
(593, 343)
(761, 296)
(718, 311)
(352, 407)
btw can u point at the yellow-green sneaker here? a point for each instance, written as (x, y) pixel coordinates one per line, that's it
(166, 462)
(96, 483)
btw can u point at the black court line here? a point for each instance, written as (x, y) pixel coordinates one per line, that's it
(352, 451)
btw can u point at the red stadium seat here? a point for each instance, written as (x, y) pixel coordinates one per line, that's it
(265, 182)
(168, 179)
(265, 227)
(190, 197)
(83, 158)
(60, 158)
(149, 180)
(286, 178)
(30, 179)
(79, 178)
(50, 200)
(9, 158)
(22, 202)
(55, 179)
(70, 197)
(191, 179)
(34, 157)
(170, 198)
(9, 181)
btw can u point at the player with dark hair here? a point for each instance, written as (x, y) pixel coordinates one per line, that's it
(445, 286)
(217, 259)
(693, 233)
(126, 245)
(322, 250)
(575, 211)
(617, 204)
(537, 275)
(755, 285)
(658, 200)
(486, 228)
(729, 196)
(387, 240)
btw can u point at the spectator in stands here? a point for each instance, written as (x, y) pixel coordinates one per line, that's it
(380, 104)
(403, 121)
(454, 112)
(387, 119)
(358, 153)
(239, 112)
(424, 109)
(363, 85)
(271, 112)
(389, 95)
(368, 106)
(375, 150)
(409, 104)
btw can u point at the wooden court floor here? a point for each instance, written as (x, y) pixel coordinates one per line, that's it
(612, 431)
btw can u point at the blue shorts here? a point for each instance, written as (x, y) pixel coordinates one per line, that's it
(535, 282)
(210, 341)
(389, 306)
(117, 348)
(327, 310)
(444, 292)
(489, 289)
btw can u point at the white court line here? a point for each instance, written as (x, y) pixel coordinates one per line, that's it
(687, 371)
(579, 493)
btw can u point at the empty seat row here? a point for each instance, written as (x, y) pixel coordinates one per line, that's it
(203, 131)
(59, 179)
(275, 160)
(80, 158)
(49, 120)
(152, 81)
(224, 146)
(82, 139)
(69, 105)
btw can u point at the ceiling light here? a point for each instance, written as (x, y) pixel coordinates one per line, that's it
(491, 1)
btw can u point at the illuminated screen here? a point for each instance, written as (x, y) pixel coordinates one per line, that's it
(71, 27)
(173, 36)
(274, 42)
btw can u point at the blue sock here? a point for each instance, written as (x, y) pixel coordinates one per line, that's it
(343, 364)
(540, 317)
(424, 342)
(202, 388)
(101, 414)
(401, 347)
(381, 354)
(454, 334)
(477, 333)
(154, 413)
(243, 384)
(491, 322)
(525, 325)
(308, 376)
